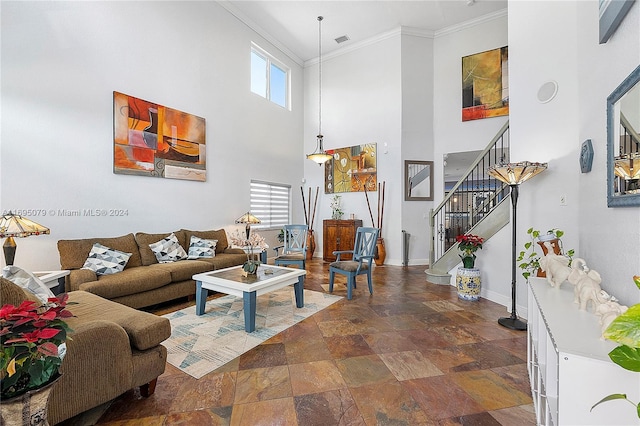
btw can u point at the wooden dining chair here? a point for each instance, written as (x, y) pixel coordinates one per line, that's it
(363, 253)
(294, 250)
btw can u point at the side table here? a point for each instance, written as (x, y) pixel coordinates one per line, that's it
(53, 279)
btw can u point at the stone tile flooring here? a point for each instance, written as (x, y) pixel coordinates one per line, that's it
(410, 354)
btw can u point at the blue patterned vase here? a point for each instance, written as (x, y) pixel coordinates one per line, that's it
(468, 283)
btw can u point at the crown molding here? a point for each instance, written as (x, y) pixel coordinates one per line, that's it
(261, 31)
(471, 23)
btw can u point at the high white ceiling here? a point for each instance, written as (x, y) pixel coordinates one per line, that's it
(294, 25)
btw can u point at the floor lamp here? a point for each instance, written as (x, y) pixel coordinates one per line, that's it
(514, 174)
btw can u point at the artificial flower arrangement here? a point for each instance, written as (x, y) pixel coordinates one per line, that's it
(239, 239)
(468, 245)
(31, 337)
(336, 208)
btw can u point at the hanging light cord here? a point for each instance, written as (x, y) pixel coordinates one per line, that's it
(320, 18)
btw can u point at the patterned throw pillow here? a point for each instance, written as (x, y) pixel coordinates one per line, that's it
(168, 249)
(27, 281)
(199, 248)
(104, 261)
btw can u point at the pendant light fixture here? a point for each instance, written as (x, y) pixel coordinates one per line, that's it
(320, 156)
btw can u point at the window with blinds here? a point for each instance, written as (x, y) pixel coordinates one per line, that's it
(270, 202)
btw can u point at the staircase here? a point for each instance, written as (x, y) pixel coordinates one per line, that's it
(477, 204)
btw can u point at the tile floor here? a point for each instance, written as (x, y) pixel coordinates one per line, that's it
(411, 354)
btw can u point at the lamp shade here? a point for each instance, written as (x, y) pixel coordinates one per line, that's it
(13, 225)
(627, 166)
(248, 218)
(516, 173)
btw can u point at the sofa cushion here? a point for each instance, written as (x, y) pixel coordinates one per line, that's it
(73, 253)
(145, 330)
(226, 260)
(218, 234)
(201, 248)
(168, 249)
(183, 270)
(143, 240)
(129, 281)
(104, 261)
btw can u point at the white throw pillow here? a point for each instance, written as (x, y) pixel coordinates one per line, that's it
(105, 261)
(168, 249)
(27, 281)
(199, 248)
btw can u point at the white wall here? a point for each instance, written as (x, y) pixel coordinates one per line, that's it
(417, 135)
(559, 41)
(453, 135)
(61, 61)
(361, 103)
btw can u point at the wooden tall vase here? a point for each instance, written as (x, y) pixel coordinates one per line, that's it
(311, 244)
(381, 252)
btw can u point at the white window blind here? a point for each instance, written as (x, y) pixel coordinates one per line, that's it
(270, 202)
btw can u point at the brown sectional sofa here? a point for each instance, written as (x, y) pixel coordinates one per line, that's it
(144, 281)
(112, 349)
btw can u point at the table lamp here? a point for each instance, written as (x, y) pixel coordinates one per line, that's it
(514, 174)
(13, 225)
(249, 219)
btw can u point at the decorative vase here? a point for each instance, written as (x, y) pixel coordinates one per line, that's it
(381, 252)
(468, 283)
(28, 409)
(250, 267)
(468, 261)
(311, 244)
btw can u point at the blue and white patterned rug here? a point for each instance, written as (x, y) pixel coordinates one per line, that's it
(200, 344)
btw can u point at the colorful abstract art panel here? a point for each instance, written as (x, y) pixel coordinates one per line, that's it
(351, 169)
(154, 140)
(485, 84)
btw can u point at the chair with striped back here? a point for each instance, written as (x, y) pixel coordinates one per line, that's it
(363, 253)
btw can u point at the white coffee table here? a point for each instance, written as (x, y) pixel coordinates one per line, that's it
(230, 281)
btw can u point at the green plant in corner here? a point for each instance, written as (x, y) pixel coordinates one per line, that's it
(529, 259)
(625, 329)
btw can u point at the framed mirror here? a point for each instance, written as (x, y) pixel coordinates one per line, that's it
(623, 143)
(418, 180)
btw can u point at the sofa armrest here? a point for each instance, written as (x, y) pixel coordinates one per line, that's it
(77, 277)
(97, 367)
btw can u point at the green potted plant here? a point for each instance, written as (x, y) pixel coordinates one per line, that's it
(625, 329)
(31, 339)
(529, 258)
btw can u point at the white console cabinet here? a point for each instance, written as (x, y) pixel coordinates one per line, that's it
(569, 366)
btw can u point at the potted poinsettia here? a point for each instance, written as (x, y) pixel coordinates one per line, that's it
(31, 337)
(468, 278)
(468, 245)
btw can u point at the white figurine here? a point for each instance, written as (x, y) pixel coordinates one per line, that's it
(608, 311)
(556, 268)
(587, 285)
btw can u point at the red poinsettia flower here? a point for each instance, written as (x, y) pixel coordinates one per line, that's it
(29, 337)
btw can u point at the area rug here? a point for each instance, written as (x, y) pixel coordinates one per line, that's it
(200, 344)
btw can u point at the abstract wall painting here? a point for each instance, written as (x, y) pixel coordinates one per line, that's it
(351, 169)
(157, 141)
(485, 84)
